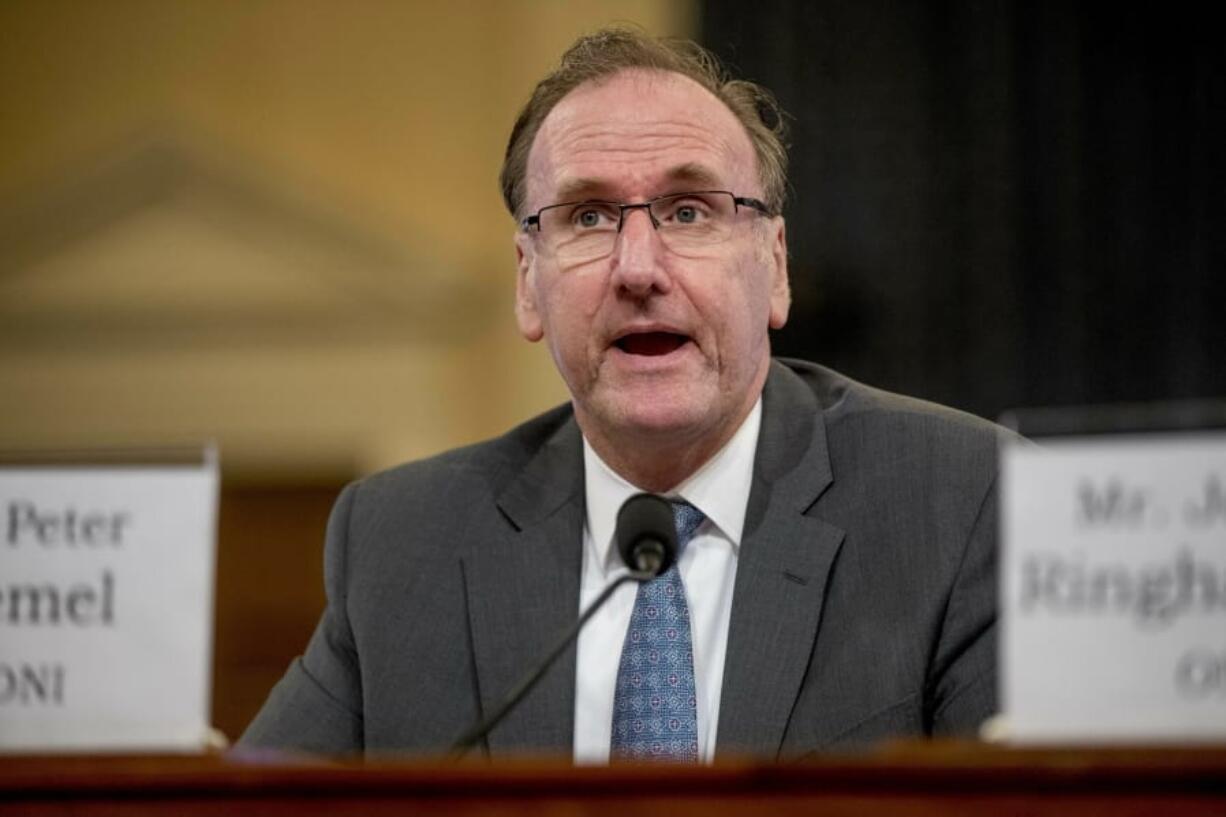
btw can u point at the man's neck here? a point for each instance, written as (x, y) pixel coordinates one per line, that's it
(659, 468)
(659, 461)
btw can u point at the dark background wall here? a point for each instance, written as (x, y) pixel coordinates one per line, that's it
(999, 204)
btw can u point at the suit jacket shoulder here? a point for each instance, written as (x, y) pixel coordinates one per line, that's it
(443, 577)
(865, 600)
(447, 489)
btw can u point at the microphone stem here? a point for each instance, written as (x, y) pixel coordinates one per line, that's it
(469, 738)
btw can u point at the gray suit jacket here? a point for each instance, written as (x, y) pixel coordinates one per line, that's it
(864, 606)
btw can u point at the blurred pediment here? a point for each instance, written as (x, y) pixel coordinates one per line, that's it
(166, 243)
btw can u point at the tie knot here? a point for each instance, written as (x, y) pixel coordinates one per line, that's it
(686, 518)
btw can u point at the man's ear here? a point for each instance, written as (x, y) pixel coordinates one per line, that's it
(526, 313)
(781, 292)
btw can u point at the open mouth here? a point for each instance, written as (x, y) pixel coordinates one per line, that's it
(651, 344)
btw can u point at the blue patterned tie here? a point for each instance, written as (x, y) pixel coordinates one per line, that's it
(654, 706)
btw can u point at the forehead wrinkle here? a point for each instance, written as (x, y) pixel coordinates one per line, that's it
(634, 130)
(609, 140)
(599, 162)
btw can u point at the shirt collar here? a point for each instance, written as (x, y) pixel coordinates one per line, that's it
(720, 489)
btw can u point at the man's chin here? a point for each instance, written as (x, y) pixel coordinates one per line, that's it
(655, 418)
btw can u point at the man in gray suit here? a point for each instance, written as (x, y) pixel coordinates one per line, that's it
(837, 582)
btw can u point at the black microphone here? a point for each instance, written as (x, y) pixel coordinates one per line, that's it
(647, 541)
(646, 534)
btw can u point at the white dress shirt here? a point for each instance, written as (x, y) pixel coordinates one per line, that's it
(720, 489)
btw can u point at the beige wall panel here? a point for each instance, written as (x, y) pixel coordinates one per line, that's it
(277, 412)
(382, 120)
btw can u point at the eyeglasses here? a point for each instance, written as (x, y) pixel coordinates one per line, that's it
(576, 232)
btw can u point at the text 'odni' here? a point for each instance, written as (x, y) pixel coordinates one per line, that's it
(31, 684)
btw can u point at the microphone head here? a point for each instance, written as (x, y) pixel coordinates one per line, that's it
(646, 534)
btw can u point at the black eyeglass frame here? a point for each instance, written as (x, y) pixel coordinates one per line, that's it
(737, 202)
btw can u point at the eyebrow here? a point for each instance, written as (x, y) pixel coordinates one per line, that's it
(696, 174)
(689, 173)
(577, 189)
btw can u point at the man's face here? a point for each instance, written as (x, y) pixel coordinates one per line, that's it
(653, 345)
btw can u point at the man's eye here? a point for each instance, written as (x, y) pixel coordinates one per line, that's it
(588, 218)
(687, 212)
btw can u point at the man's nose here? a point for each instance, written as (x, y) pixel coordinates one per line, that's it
(637, 256)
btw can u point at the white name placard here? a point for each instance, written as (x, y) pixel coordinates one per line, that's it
(106, 606)
(1114, 588)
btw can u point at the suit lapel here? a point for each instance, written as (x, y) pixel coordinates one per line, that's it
(523, 590)
(784, 562)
